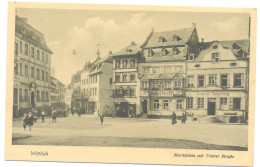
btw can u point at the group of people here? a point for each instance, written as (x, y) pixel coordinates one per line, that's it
(174, 118)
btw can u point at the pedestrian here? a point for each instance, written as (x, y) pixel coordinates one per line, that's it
(25, 121)
(174, 118)
(54, 115)
(183, 119)
(43, 115)
(101, 118)
(30, 120)
(79, 113)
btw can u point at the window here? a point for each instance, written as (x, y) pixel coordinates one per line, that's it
(47, 77)
(223, 101)
(21, 47)
(125, 92)
(167, 69)
(38, 55)
(32, 72)
(132, 93)
(224, 80)
(162, 39)
(144, 84)
(38, 95)
(25, 94)
(212, 79)
(32, 52)
(21, 69)
(117, 64)
(189, 102)
(165, 104)
(117, 79)
(132, 78)
(42, 75)
(164, 52)
(38, 74)
(47, 96)
(16, 69)
(16, 49)
(42, 56)
(26, 70)
(146, 70)
(191, 57)
(179, 104)
(155, 104)
(124, 63)
(20, 95)
(237, 80)
(175, 38)
(190, 81)
(167, 84)
(175, 51)
(200, 102)
(132, 63)
(95, 91)
(155, 70)
(124, 78)
(201, 81)
(177, 84)
(26, 49)
(42, 96)
(150, 53)
(110, 81)
(236, 103)
(215, 57)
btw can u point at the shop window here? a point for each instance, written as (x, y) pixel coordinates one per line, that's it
(179, 104)
(236, 103)
(190, 81)
(212, 80)
(224, 80)
(189, 102)
(156, 104)
(238, 80)
(201, 81)
(200, 102)
(165, 104)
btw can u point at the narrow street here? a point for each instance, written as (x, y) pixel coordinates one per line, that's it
(131, 132)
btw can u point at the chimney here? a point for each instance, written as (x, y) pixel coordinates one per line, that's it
(110, 52)
(193, 25)
(202, 40)
(132, 43)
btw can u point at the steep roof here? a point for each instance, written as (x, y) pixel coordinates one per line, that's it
(132, 49)
(183, 35)
(28, 32)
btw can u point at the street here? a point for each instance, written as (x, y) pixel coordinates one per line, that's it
(132, 132)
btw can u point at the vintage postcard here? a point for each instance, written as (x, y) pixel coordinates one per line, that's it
(130, 84)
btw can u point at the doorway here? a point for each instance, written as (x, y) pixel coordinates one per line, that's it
(32, 100)
(211, 106)
(144, 104)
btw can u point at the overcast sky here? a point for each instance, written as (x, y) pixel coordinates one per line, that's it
(82, 30)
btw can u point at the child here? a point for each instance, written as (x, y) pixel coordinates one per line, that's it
(25, 121)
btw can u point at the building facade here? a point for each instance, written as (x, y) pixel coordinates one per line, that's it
(57, 91)
(32, 63)
(217, 81)
(125, 78)
(162, 71)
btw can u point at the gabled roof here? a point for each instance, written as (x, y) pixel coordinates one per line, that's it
(132, 49)
(27, 31)
(183, 35)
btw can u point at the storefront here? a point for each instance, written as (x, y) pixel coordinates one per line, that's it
(125, 109)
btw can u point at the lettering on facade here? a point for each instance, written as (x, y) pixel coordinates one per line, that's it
(213, 93)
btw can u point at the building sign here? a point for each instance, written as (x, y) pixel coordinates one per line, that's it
(218, 93)
(169, 93)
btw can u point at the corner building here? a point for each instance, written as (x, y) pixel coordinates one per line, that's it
(162, 71)
(217, 81)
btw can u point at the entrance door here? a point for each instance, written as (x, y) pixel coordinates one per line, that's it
(144, 106)
(32, 99)
(211, 106)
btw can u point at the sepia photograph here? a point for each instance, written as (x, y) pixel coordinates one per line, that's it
(131, 78)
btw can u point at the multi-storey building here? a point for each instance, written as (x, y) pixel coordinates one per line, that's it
(217, 80)
(125, 63)
(32, 62)
(68, 95)
(57, 91)
(162, 71)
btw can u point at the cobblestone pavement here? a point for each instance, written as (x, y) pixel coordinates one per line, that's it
(132, 133)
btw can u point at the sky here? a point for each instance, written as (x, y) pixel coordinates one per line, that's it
(82, 30)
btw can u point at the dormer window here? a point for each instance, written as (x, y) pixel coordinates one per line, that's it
(215, 57)
(215, 46)
(175, 51)
(164, 52)
(235, 46)
(150, 53)
(175, 38)
(162, 39)
(32, 34)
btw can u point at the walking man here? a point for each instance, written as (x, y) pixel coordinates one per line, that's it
(43, 115)
(174, 118)
(183, 119)
(101, 118)
(54, 115)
